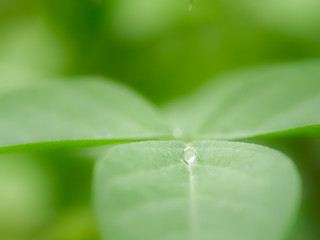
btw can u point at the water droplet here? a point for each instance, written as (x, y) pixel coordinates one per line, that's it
(177, 133)
(190, 154)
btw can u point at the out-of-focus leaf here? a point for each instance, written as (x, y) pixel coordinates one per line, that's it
(29, 52)
(85, 112)
(260, 101)
(26, 196)
(230, 191)
(76, 223)
(80, 22)
(297, 17)
(140, 20)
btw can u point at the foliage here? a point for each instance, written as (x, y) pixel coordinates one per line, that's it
(237, 158)
(148, 190)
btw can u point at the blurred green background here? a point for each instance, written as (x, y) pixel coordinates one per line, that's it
(162, 50)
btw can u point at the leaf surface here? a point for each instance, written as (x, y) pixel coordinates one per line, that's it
(231, 191)
(85, 111)
(282, 99)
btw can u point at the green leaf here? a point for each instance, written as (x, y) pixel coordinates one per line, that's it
(82, 112)
(26, 190)
(230, 191)
(270, 99)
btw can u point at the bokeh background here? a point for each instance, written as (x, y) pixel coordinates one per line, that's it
(162, 50)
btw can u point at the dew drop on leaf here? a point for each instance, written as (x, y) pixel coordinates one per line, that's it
(190, 154)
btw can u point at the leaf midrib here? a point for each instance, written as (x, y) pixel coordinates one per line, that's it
(192, 205)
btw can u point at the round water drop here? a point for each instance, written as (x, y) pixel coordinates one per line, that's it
(190, 154)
